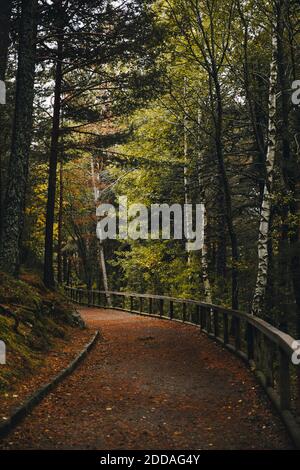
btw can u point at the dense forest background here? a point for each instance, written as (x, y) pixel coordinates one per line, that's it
(165, 101)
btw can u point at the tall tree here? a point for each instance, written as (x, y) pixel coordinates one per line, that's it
(60, 225)
(102, 261)
(54, 150)
(265, 215)
(287, 12)
(14, 202)
(5, 14)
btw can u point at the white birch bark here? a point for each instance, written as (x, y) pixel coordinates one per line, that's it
(185, 169)
(204, 254)
(204, 261)
(102, 261)
(186, 186)
(264, 229)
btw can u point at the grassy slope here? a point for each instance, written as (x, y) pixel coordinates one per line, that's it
(44, 316)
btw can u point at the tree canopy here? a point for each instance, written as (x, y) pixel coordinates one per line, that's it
(165, 102)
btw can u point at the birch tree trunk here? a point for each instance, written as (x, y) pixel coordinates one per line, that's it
(102, 261)
(204, 253)
(204, 260)
(185, 168)
(104, 273)
(264, 228)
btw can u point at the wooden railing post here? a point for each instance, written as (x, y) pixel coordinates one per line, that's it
(237, 332)
(216, 322)
(161, 307)
(284, 380)
(141, 304)
(250, 342)
(150, 305)
(198, 315)
(171, 311)
(269, 362)
(202, 317)
(225, 328)
(209, 320)
(184, 312)
(131, 303)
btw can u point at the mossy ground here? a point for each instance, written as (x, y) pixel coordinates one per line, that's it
(44, 316)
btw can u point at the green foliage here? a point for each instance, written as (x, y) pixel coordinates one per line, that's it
(143, 87)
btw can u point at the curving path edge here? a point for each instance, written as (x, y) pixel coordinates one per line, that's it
(151, 384)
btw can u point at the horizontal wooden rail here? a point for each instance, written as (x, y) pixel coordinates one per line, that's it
(268, 350)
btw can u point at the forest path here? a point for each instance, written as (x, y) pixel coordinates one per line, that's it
(152, 384)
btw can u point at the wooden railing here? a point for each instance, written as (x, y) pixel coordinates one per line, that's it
(266, 349)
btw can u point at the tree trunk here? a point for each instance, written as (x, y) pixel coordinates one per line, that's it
(14, 202)
(205, 251)
(60, 225)
(221, 234)
(289, 162)
(287, 165)
(262, 274)
(186, 170)
(50, 212)
(255, 118)
(102, 261)
(5, 14)
(65, 269)
(204, 260)
(104, 274)
(227, 193)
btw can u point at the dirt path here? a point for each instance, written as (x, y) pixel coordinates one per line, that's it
(152, 384)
